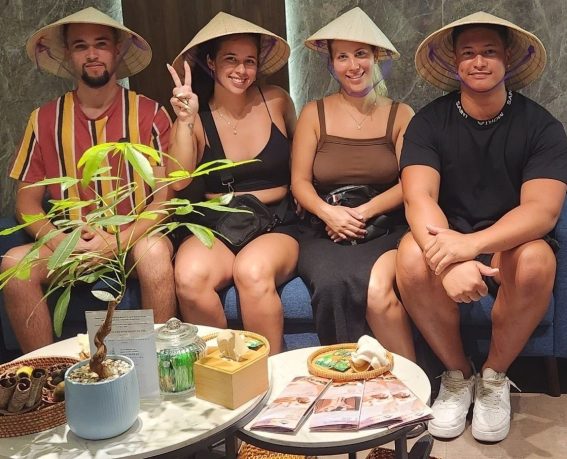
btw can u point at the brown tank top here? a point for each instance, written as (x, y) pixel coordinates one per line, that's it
(341, 161)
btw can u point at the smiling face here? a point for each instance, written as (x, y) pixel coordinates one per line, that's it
(481, 56)
(235, 63)
(353, 64)
(92, 51)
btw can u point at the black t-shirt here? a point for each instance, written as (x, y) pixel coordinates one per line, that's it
(483, 164)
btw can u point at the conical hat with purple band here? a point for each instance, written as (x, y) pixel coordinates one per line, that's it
(435, 59)
(274, 51)
(46, 48)
(356, 26)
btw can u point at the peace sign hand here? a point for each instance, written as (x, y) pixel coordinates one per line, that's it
(185, 102)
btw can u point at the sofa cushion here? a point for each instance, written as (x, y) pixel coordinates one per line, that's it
(478, 313)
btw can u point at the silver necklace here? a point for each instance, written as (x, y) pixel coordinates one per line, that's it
(361, 122)
(229, 123)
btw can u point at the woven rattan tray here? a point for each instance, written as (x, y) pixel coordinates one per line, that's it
(46, 416)
(350, 374)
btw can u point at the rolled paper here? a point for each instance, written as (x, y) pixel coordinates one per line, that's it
(7, 386)
(38, 380)
(20, 395)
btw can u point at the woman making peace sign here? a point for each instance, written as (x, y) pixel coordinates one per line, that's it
(251, 123)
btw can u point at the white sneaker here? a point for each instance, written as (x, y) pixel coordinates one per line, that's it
(451, 405)
(491, 414)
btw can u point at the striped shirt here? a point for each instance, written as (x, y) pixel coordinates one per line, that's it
(58, 133)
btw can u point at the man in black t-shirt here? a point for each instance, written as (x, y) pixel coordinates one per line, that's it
(484, 172)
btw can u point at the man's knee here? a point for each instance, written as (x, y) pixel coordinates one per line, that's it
(410, 263)
(13, 256)
(152, 253)
(530, 267)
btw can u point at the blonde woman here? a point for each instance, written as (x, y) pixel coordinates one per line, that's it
(352, 137)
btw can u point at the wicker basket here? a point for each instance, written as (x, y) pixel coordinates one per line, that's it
(248, 451)
(46, 416)
(350, 374)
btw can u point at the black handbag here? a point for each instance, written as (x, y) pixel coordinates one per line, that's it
(356, 195)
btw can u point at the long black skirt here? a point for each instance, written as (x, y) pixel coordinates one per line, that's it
(337, 277)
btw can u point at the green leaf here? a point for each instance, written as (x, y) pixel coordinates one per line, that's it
(63, 204)
(204, 234)
(61, 311)
(103, 295)
(113, 220)
(149, 215)
(141, 165)
(179, 175)
(64, 249)
(184, 210)
(92, 160)
(28, 220)
(156, 155)
(65, 182)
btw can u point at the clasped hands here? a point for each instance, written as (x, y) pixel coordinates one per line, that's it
(345, 223)
(451, 255)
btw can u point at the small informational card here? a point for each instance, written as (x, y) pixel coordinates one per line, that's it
(133, 336)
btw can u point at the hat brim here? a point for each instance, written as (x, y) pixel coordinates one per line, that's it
(46, 47)
(435, 58)
(355, 26)
(274, 50)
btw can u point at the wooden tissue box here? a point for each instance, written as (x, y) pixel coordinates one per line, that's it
(229, 383)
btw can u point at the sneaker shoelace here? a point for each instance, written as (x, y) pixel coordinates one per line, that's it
(452, 390)
(490, 391)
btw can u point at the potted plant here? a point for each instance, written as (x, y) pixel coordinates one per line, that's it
(68, 267)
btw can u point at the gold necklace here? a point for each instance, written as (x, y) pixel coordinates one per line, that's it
(359, 124)
(229, 123)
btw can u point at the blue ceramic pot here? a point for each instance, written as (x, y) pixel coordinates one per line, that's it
(103, 409)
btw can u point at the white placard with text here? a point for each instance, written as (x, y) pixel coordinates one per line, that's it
(133, 336)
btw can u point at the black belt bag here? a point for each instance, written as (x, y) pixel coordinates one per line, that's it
(356, 195)
(238, 228)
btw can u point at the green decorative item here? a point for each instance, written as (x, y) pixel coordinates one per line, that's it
(179, 347)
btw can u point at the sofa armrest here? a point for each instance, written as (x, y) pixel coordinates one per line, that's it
(560, 288)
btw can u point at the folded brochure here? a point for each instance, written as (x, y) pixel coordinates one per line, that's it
(384, 401)
(287, 412)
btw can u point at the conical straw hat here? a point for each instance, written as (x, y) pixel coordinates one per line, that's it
(354, 25)
(435, 60)
(274, 50)
(47, 50)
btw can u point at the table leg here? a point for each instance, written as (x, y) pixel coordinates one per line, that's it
(401, 447)
(230, 447)
(352, 455)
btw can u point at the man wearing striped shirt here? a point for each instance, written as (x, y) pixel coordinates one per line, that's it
(95, 51)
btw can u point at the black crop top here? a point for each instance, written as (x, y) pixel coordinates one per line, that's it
(271, 171)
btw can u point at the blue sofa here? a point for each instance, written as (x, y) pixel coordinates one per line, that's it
(549, 339)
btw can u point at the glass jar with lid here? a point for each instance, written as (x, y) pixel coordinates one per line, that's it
(178, 347)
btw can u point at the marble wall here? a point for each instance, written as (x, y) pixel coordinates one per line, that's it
(406, 23)
(22, 87)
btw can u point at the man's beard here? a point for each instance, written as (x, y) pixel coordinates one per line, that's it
(95, 82)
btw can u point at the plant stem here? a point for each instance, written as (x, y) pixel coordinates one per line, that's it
(100, 355)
